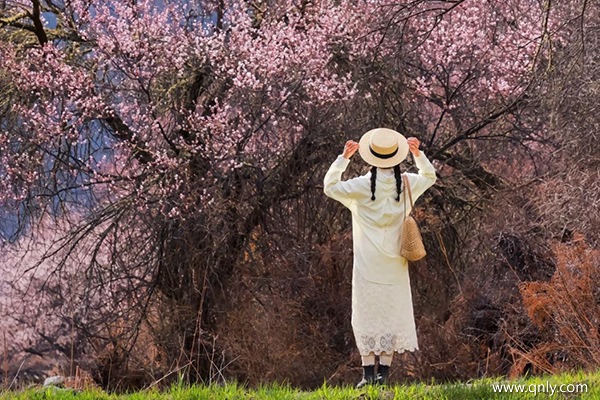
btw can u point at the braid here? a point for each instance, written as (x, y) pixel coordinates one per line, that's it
(373, 179)
(398, 176)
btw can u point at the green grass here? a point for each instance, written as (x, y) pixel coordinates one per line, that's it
(475, 390)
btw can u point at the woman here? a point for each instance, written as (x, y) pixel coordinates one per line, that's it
(382, 312)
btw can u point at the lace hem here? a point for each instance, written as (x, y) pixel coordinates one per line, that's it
(386, 343)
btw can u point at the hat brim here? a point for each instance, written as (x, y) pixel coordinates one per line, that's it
(366, 154)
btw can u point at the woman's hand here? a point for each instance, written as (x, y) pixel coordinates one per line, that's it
(413, 146)
(350, 148)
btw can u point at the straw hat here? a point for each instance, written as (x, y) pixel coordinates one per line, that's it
(383, 147)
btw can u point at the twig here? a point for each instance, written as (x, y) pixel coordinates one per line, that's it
(167, 375)
(445, 253)
(5, 361)
(16, 375)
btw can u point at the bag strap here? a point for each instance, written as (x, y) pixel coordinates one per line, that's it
(407, 189)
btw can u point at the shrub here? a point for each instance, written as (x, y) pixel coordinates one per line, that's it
(566, 311)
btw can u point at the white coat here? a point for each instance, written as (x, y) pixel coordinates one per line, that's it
(377, 224)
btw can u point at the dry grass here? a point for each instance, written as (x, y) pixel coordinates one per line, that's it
(566, 311)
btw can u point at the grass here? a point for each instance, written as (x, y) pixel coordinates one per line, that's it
(536, 388)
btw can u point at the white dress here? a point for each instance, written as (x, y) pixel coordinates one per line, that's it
(382, 310)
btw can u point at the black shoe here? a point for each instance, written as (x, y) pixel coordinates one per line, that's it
(368, 376)
(383, 371)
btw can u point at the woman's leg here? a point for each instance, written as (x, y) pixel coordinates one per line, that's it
(383, 370)
(368, 364)
(368, 360)
(386, 359)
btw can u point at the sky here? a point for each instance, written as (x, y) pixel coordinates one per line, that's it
(50, 19)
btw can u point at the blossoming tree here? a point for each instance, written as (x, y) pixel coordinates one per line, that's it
(161, 136)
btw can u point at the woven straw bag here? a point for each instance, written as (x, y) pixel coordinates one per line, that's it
(411, 242)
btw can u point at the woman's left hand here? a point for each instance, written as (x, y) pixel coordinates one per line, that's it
(413, 146)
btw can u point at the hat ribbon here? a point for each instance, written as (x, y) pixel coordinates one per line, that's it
(384, 156)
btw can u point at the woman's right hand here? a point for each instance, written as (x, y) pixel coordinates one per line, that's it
(413, 146)
(350, 148)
